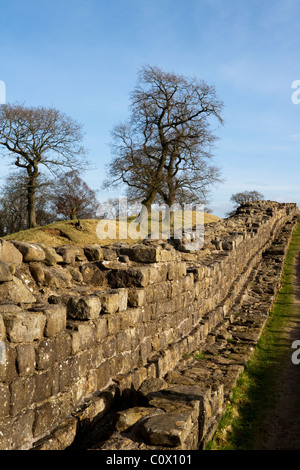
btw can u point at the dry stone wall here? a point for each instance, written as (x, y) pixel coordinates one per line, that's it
(138, 346)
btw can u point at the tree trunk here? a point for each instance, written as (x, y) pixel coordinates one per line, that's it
(31, 205)
(73, 214)
(145, 214)
(169, 200)
(33, 173)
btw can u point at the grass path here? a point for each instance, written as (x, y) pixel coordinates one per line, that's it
(263, 413)
(282, 427)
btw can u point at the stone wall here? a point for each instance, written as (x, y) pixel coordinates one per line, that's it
(122, 344)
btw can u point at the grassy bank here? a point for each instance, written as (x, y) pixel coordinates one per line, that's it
(64, 232)
(256, 393)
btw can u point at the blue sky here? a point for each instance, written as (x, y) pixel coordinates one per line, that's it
(83, 57)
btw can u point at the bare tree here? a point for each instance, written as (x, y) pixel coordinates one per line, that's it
(166, 143)
(35, 136)
(73, 198)
(243, 198)
(13, 202)
(247, 196)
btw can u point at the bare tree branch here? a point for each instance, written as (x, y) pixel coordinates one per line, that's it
(167, 137)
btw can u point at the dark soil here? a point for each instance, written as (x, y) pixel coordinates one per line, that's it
(56, 232)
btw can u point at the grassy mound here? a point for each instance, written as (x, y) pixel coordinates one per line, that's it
(65, 232)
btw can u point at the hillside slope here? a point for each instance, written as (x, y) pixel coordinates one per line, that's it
(65, 233)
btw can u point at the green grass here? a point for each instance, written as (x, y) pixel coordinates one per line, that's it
(254, 396)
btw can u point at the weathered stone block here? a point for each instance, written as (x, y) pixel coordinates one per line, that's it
(8, 369)
(9, 253)
(143, 253)
(101, 329)
(30, 251)
(189, 282)
(93, 275)
(84, 308)
(109, 254)
(158, 273)
(46, 443)
(75, 273)
(136, 336)
(66, 433)
(26, 359)
(145, 350)
(123, 299)
(17, 432)
(103, 375)
(43, 386)
(172, 270)
(46, 418)
(56, 319)
(169, 429)
(2, 329)
(228, 245)
(22, 394)
(16, 291)
(69, 253)
(5, 400)
(3, 360)
(130, 318)
(45, 354)
(94, 409)
(83, 336)
(116, 365)
(92, 381)
(124, 259)
(93, 252)
(5, 272)
(109, 346)
(38, 273)
(113, 324)
(138, 277)
(168, 254)
(161, 292)
(58, 276)
(123, 341)
(78, 392)
(24, 327)
(61, 438)
(69, 373)
(51, 280)
(109, 301)
(44, 276)
(127, 418)
(62, 345)
(136, 297)
(51, 256)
